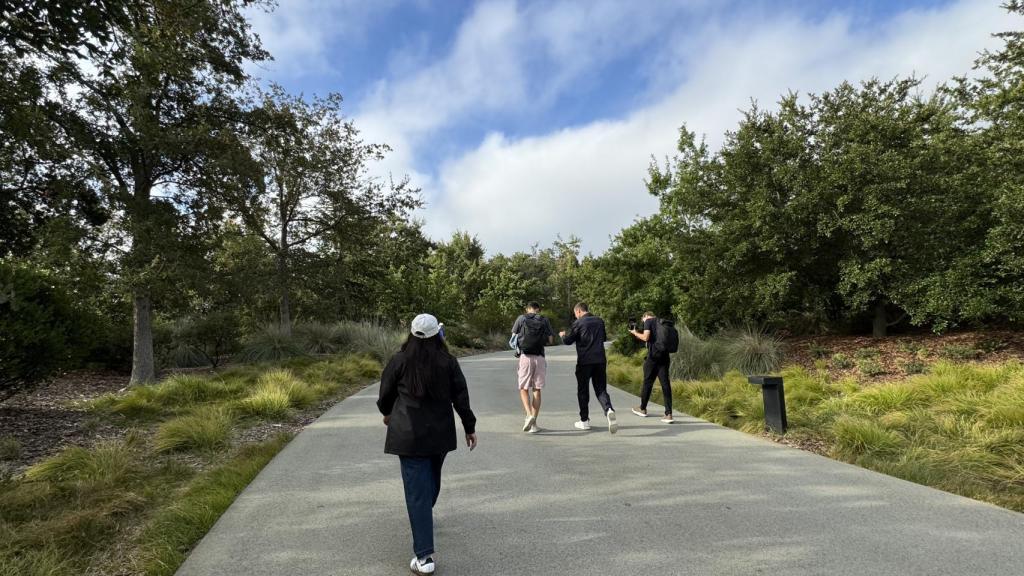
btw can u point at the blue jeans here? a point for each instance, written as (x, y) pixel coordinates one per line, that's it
(422, 480)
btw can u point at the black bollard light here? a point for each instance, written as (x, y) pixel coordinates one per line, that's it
(774, 401)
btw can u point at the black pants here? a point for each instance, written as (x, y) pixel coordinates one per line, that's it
(656, 369)
(598, 373)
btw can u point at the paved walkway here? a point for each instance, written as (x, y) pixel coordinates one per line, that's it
(692, 498)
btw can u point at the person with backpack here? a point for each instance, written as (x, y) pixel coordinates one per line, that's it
(588, 334)
(531, 332)
(662, 339)
(418, 389)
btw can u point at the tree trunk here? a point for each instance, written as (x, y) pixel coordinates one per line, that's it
(282, 282)
(143, 368)
(880, 326)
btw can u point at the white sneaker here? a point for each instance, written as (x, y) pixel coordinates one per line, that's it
(668, 419)
(534, 429)
(640, 413)
(418, 566)
(530, 421)
(582, 425)
(613, 424)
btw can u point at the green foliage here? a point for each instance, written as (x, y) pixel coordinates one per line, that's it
(870, 367)
(269, 345)
(915, 366)
(841, 361)
(41, 331)
(319, 338)
(754, 351)
(10, 448)
(201, 341)
(177, 526)
(376, 340)
(108, 464)
(206, 429)
(817, 350)
(961, 352)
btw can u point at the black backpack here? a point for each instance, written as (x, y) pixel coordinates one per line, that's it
(667, 340)
(532, 335)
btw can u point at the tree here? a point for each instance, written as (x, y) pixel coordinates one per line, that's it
(994, 114)
(309, 184)
(143, 107)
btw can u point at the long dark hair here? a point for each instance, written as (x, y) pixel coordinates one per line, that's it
(427, 366)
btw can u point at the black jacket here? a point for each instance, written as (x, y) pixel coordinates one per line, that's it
(423, 426)
(588, 334)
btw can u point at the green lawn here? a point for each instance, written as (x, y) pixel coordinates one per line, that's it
(957, 427)
(137, 504)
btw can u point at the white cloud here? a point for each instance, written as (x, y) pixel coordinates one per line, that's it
(588, 180)
(298, 34)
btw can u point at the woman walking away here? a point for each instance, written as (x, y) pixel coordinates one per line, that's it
(418, 389)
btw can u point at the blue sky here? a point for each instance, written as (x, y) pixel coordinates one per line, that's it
(524, 120)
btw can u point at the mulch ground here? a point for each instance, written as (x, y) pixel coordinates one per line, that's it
(47, 418)
(895, 352)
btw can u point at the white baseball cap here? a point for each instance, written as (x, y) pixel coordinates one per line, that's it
(424, 326)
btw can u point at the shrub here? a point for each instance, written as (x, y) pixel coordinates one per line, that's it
(269, 345)
(318, 338)
(817, 351)
(867, 353)
(201, 341)
(960, 352)
(992, 345)
(754, 351)
(699, 359)
(915, 366)
(841, 361)
(10, 448)
(376, 340)
(207, 428)
(626, 345)
(41, 331)
(870, 367)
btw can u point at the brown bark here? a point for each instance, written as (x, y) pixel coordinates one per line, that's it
(143, 365)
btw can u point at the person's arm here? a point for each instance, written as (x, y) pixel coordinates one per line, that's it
(460, 401)
(573, 334)
(388, 389)
(551, 331)
(642, 336)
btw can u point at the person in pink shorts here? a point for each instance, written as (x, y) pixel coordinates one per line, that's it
(532, 332)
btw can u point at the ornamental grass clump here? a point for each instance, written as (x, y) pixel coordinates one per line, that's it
(269, 345)
(206, 429)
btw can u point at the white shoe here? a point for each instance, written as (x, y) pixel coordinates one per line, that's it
(668, 419)
(530, 421)
(418, 566)
(613, 424)
(534, 429)
(640, 413)
(582, 425)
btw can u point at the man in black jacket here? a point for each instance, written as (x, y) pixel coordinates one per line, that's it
(655, 366)
(588, 334)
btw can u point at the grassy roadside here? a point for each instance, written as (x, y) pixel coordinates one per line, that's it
(958, 427)
(137, 504)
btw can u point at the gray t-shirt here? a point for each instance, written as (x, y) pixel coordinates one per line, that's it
(548, 332)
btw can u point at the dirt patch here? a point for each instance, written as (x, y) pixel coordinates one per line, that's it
(897, 356)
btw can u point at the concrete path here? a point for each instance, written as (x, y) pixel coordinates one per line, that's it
(691, 498)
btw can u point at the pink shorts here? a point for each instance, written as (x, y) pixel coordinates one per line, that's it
(532, 371)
